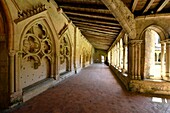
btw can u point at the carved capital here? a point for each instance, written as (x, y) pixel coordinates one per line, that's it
(12, 53)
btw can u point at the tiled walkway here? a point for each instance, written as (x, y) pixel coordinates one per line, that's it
(93, 90)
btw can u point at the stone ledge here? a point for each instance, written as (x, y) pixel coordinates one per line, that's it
(123, 78)
(150, 87)
(35, 89)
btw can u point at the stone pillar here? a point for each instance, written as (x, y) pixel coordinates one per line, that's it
(131, 60)
(117, 56)
(136, 61)
(124, 58)
(162, 59)
(120, 55)
(168, 59)
(11, 71)
(134, 66)
(139, 60)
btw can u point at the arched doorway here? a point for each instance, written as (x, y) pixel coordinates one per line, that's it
(153, 53)
(102, 58)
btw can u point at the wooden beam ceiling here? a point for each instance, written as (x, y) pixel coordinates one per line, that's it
(100, 22)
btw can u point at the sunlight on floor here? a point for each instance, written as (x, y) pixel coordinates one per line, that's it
(159, 100)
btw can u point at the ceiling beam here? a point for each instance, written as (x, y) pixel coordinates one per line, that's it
(103, 47)
(102, 41)
(90, 33)
(99, 38)
(99, 42)
(92, 10)
(124, 16)
(90, 16)
(97, 31)
(94, 21)
(135, 2)
(96, 25)
(162, 5)
(97, 28)
(148, 6)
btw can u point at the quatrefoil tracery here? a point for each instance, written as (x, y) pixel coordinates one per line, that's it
(36, 43)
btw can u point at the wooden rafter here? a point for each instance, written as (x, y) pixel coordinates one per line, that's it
(94, 21)
(86, 32)
(99, 37)
(96, 25)
(148, 6)
(104, 11)
(135, 2)
(162, 5)
(91, 16)
(97, 31)
(97, 28)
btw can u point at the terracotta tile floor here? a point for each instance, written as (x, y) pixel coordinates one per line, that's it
(93, 90)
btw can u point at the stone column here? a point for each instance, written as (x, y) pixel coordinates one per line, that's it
(117, 56)
(162, 59)
(124, 58)
(139, 60)
(168, 59)
(11, 71)
(131, 60)
(136, 61)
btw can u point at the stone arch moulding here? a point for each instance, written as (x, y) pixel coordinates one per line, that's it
(65, 54)
(163, 35)
(36, 53)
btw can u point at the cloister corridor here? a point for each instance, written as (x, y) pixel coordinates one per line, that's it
(94, 90)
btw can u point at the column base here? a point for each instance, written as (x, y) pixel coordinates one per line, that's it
(16, 98)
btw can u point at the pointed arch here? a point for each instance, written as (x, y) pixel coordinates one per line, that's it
(65, 53)
(37, 53)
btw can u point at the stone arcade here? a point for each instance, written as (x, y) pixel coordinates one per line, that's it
(43, 42)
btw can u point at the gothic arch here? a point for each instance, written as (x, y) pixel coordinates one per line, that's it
(37, 53)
